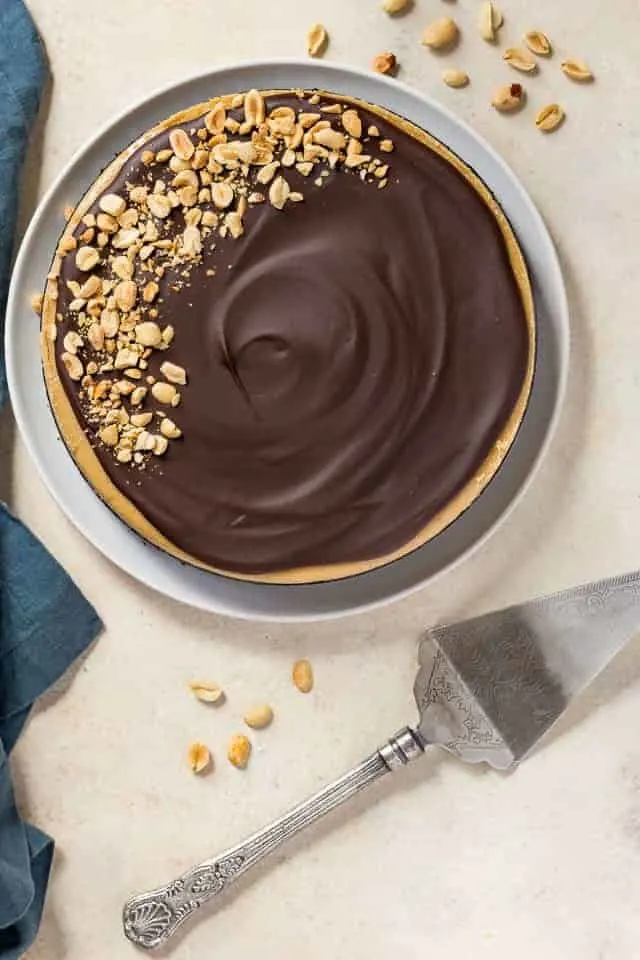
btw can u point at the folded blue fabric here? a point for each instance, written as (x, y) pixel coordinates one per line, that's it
(45, 622)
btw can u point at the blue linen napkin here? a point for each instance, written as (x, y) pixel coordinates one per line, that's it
(45, 622)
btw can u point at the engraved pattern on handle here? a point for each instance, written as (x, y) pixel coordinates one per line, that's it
(149, 919)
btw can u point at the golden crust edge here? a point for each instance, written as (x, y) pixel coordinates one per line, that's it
(89, 465)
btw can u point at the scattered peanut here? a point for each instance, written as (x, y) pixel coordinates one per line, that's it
(509, 98)
(440, 34)
(72, 342)
(239, 751)
(122, 267)
(164, 393)
(234, 224)
(267, 173)
(254, 108)
(538, 43)
(352, 123)
(90, 288)
(160, 446)
(302, 676)
(173, 373)
(181, 144)
(73, 365)
(95, 336)
(125, 295)
(259, 717)
(67, 243)
(207, 692)
(332, 139)
(550, 117)
(109, 435)
(141, 419)
(138, 396)
(490, 20)
(112, 204)
(87, 258)
(577, 70)
(455, 78)
(159, 206)
(150, 291)
(279, 193)
(520, 60)
(191, 242)
(125, 358)
(385, 63)
(222, 195)
(169, 429)
(395, 6)
(198, 757)
(317, 40)
(214, 121)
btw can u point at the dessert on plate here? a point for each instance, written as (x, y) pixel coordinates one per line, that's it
(288, 336)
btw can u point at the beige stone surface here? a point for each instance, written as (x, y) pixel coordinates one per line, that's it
(440, 861)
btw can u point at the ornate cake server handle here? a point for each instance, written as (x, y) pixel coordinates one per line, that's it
(149, 919)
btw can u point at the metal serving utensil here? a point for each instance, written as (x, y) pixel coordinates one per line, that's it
(487, 690)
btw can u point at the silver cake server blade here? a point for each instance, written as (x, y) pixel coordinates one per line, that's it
(487, 690)
(490, 687)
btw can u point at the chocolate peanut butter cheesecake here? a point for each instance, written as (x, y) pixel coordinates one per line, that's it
(288, 336)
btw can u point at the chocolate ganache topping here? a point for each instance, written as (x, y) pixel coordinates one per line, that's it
(350, 360)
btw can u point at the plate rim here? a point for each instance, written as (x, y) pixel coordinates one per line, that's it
(328, 69)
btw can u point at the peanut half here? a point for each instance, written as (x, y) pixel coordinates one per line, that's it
(352, 123)
(317, 40)
(239, 751)
(538, 43)
(509, 98)
(577, 70)
(259, 717)
(181, 144)
(207, 692)
(396, 6)
(198, 757)
(520, 60)
(302, 676)
(550, 117)
(455, 78)
(440, 34)
(87, 258)
(279, 193)
(489, 21)
(112, 204)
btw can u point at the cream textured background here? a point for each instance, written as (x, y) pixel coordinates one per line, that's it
(442, 861)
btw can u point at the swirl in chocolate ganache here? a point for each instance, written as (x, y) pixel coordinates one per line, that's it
(351, 361)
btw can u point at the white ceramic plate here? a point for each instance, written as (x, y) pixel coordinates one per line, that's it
(266, 602)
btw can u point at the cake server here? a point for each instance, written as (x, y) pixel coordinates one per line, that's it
(487, 689)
